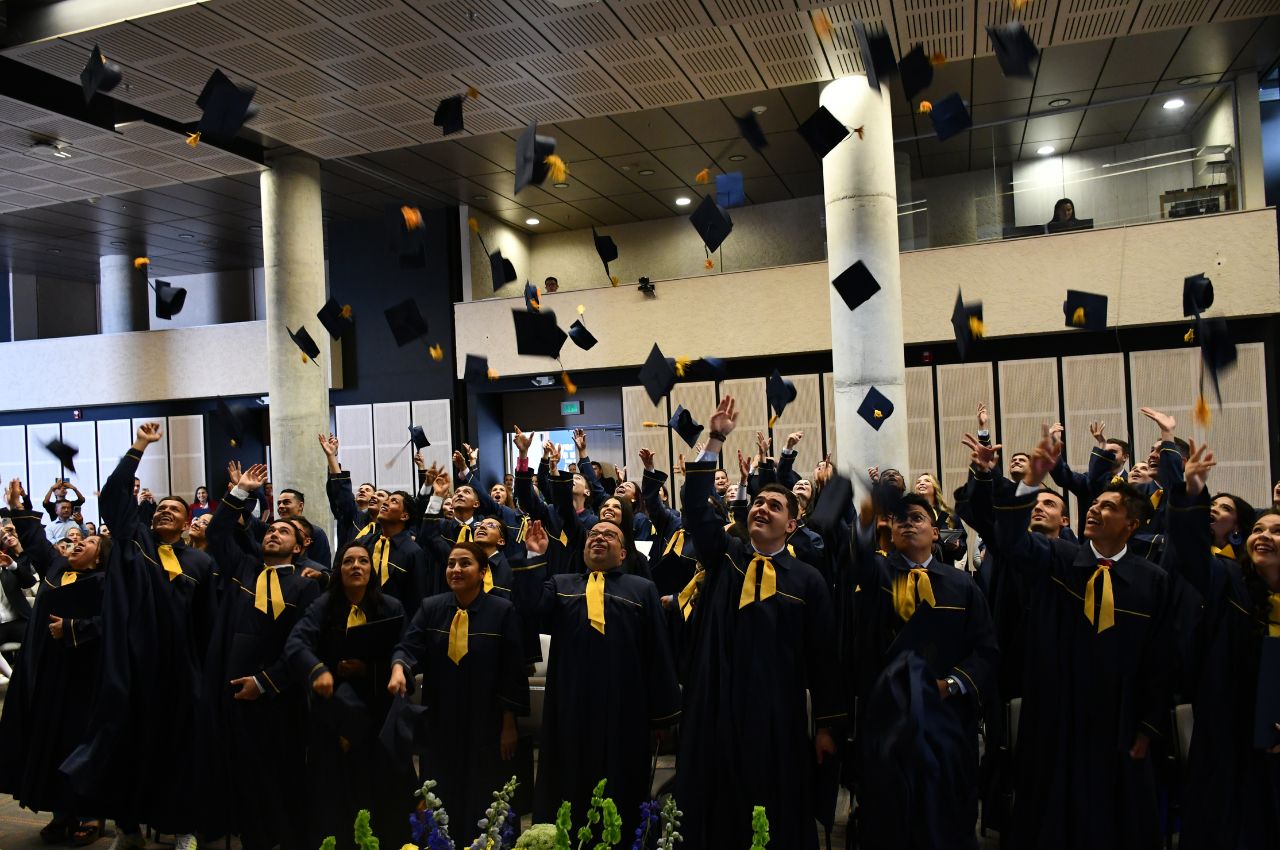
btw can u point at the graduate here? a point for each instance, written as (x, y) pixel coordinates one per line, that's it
(466, 644)
(342, 648)
(488, 532)
(1096, 687)
(47, 705)
(1233, 785)
(254, 781)
(356, 513)
(764, 634)
(610, 678)
(513, 520)
(577, 520)
(158, 614)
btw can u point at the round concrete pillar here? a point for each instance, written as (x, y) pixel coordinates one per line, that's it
(122, 295)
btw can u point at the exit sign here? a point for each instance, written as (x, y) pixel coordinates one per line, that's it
(571, 408)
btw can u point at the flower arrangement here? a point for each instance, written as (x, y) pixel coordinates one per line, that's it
(759, 828)
(499, 822)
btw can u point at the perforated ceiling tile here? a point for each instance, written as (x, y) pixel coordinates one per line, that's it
(1232, 10)
(941, 25)
(185, 172)
(436, 58)
(194, 25)
(59, 57)
(370, 70)
(395, 114)
(394, 27)
(303, 82)
(23, 182)
(648, 18)
(252, 59)
(1035, 15)
(582, 28)
(1086, 20)
(464, 15)
(143, 179)
(714, 61)
(62, 193)
(726, 12)
(785, 48)
(343, 10)
(506, 44)
(489, 121)
(1166, 14)
(188, 72)
(331, 148)
(127, 43)
(380, 139)
(267, 16)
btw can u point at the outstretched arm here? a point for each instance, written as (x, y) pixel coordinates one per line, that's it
(118, 508)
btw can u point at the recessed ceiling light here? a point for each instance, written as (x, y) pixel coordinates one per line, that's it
(682, 201)
(560, 185)
(119, 243)
(54, 250)
(759, 109)
(1174, 103)
(646, 172)
(479, 197)
(1059, 101)
(1045, 150)
(186, 236)
(255, 228)
(737, 157)
(1188, 81)
(210, 262)
(532, 221)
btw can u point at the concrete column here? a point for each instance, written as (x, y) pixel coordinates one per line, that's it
(122, 295)
(1248, 119)
(293, 251)
(862, 224)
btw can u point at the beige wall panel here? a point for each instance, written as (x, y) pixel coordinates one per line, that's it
(829, 405)
(1028, 400)
(753, 416)
(921, 422)
(960, 387)
(700, 400)
(803, 414)
(636, 410)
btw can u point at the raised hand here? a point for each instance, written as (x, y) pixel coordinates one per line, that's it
(983, 457)
(473, 455)
(419, 461)
(983, 418)
(763, 445)
(1097, 429)
(328, 445)
(873, 472)
(1164, 422)
(744, 466)
(646, 459)
(440, 485)
(794, 438)
(1055, 431)
(725, 419)
(823, 471)
(233, 472)
(522, 441)
(1197, 466)
(13, 494)
(253, 477)
(149, 432)
(1043, 459)
(536, 539)
(580, 441)
(679, 470)
(459, 462)
(554, 459)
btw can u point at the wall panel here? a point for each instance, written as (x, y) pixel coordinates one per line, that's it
(153, 470)
(84, 436)
(355, 441)
(829, 407)
(42, 467)
(13, 455)
(115, 436)
(186, 456)
(700, 400)
(434, 417)
(803, 414)
(636, 410)
(1028, 401)
(960, 388)
(390, 433)
(922, 425)
(753, 416)
(1092, 391)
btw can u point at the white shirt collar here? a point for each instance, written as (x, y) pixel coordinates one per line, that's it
(1100, 557)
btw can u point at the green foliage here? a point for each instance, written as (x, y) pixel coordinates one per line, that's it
(611, 831)
(364, 836)
(593, 815)
(329, 843)
(564, 823)
(540, 836)
(759, 828)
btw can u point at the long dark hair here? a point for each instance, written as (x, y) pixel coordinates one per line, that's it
(336, 605)
(1058, 206)
(1245, 516)
(1257, 588)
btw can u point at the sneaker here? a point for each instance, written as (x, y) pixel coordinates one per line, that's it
(128, 841)
(184, 842)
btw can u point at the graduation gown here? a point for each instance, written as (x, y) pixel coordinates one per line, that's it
(352, 522)
(1086, 695)
(408, 577)
(465, 701)
(605, 692)
(254, 767)
(576, 526)
(744, 701)
(673, 565)
(150, 711)
(344, 778)
(47, 706)
(1233, 789)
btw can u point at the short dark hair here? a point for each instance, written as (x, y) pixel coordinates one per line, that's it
(1123, 444)
(297, 532)
(1055, 494)
(368, 484)
(474, 548)
(1024, 454)
(298, 493)
(1136, 505)
(60, 501)
(551, 277)
(1183, 448)
(793, 504)
(308, 530)
(916, 499)
(186, 507)
(410, 505)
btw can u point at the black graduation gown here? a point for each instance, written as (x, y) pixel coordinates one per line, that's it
(576, 527)
(46, 708)
(408, 576)
(342, 504)
(254, 768)
(141, 760)
(341, 780)
(605, 692)
(465, 701)
(744, 702)
(673, 555)
(514, 522)
(1086, 695)
(1233, 789)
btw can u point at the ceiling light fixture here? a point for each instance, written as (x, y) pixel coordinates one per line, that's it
(186, 236)
(1045, 150)
(1188, 81)
(759, 109)
(119, 243)
(737, 157)
(682, 201)
(532, 221)
(646, 172)
(1174, 103)
(1059, 102)
(479, 197)
(560, 185)
(50, 148)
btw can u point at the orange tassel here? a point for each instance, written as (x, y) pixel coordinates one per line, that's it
(193, 139)
(613, 280)
(492, 374)
(703, 176)
(473, 224)
(346, 311)
(437, 353)
(569, 386)
(822, 24)
(649, 424)
(937, 58)
(710, 263)
(557, 169)
(976, 328)
(1189, 336)
(1203, 415)
(925, 107)
(306, 359)
(412, 217)
(141, 262)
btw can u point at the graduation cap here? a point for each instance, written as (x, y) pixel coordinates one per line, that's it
(917, 72)
(657, 375)
(231, 422)
(99, 75)
(537, 334)
(1014, 48)
(407, 234)
(682, 423)
(66, 454)
(344, 714)
(966, 322)
(949, 117)
(406, 322)
(335, 318)
(729, 189)
(875, 409)
(532, 299)
(876, 51)
(707, 369)
(502, 269)
(169, 299)
(780, 393)
(536, 159)
(448, 115)
(303, 340)
(646, 286)
(581, 337)
(1085, 310)
(712, 223)
(749, 129)
(856, 285)
(823, 131)
(226, 106)
(607, 250)
(1217, 351)
(476, 369)
(833, 501)
(418, 437)
(1197, 294)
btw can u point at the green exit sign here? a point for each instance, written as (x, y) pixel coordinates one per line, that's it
(571, 408)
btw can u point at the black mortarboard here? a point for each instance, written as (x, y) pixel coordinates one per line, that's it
(406, 322)
(65, 454)
(875, 409)
(408, 234)
(657, 374)
(1267, 702)
(949, 117)
(1197, 295)
(1014, 48)
(532, 151)
(502, 269)
(646, 286)
(418, 437)
(99, 75)
(1216, 349)
(856, 285)
(966, 322)
(749, 129)
(1085, 310)
(729, 189)
(169, 299)
(712, 223)
(780, 392)
(823, 131)
(581, 336)
(344, 715)
(537, 334)
(876, 50)
(335, 318)
(532, 299)
(707, 369)
(231, 422)
(671, 575)
(476, 369)
(448, 115)
(226, 106)
(303, 340)
(606, 249)
(682, 423)
(833, 503)
(916, 71)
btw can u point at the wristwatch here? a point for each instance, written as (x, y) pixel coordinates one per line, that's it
(953, 686)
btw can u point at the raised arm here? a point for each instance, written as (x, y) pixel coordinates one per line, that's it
(595, 490)
(116, 504)
(1023, 549)
(701, 521)
(221, 531)
(1190, 535)
(342, 502)
(40, 552)
(663, 518)
(787, 476)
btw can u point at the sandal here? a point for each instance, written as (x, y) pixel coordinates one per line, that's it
(87, 832)
(57, 830)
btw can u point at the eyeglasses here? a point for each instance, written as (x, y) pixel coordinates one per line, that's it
(607, 535)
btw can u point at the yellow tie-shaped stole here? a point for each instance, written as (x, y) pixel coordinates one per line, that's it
(356, 617)
(381, 553)
(488, 578)
(268, 595)
(595, 600)
(1156, 497)
(368, 529)
(169, 560)
(1106, 617)
(912, 589)
(1273, 621)
(464, 534)
(459, 634)
(675, 544)
(69, 577)
(524, 528)
(761, 576)
(1226, 551)
(690, 593)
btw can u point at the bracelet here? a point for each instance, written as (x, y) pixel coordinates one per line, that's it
(716, 435)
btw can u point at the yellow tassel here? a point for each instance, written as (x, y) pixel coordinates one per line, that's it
(773, 419)
(1017, 5)
(473, 92)
(235, 444)
(937, 58)
(1077, 318)
(1202, 414)
(703, 176)
(925, 107)
(569, 386)
(412, 217)
(346, 311)
(649, 424)
(1189, 336)
(821, 24)
(879, 414)
(141, 262)
(437, 353)
(473, 224)
(193, 139)
(306, 359)
(682, 363)
(976, 329)
(710, 263)
(859, 131)
(582, 310)
(557, 169)
(492, 374)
